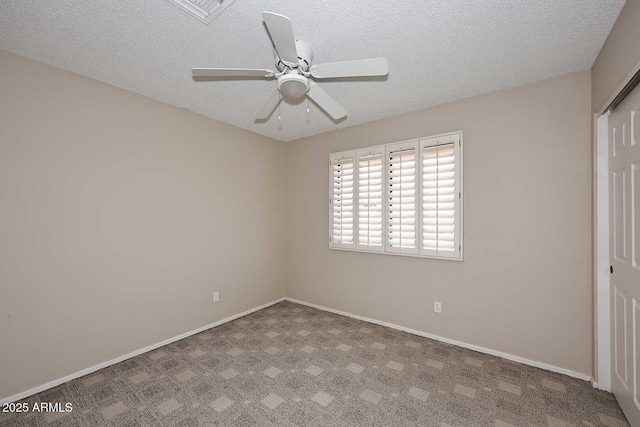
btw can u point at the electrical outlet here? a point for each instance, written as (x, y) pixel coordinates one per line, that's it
(437, 306)
(216, 296)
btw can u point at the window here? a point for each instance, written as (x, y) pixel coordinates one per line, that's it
(370, 199)
(403, 198)
(440, 200)
(342, 200)
(402, 195)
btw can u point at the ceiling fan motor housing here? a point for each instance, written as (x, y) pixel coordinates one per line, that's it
(305, 56)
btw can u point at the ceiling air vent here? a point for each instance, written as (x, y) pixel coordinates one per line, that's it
(204, 10)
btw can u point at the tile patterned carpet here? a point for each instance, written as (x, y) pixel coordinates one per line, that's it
(291, 365)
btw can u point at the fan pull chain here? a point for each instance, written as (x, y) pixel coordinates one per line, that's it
(279, 118)
(307, 105)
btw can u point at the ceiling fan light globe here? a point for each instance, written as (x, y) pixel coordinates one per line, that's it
(293, 90)
(293, 86)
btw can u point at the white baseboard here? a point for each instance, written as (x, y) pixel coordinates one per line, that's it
(453, 342)
(130, 355)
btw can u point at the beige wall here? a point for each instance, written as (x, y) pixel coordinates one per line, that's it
(119, 217)
(524, 287)
(619, 55)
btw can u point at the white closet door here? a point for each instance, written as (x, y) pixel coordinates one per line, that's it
(624, 208)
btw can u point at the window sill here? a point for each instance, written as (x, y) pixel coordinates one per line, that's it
(364, 251)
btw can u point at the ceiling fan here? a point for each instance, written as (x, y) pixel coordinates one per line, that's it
(295, 70)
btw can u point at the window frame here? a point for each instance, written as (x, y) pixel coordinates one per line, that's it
(419, 143)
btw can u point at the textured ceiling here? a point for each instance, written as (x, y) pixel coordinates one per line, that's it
(438, 51)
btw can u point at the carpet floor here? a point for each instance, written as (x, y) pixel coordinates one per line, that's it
(291, 365)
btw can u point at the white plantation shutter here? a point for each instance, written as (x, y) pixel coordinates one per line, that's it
(441, 196)
(370, 198)
(341, 204)
(403, 198)
(402, 185)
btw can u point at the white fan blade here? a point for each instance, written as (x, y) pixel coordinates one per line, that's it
(269, 105)
(359, 68)
(281, 31)
(327, 103)
(231, 72)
